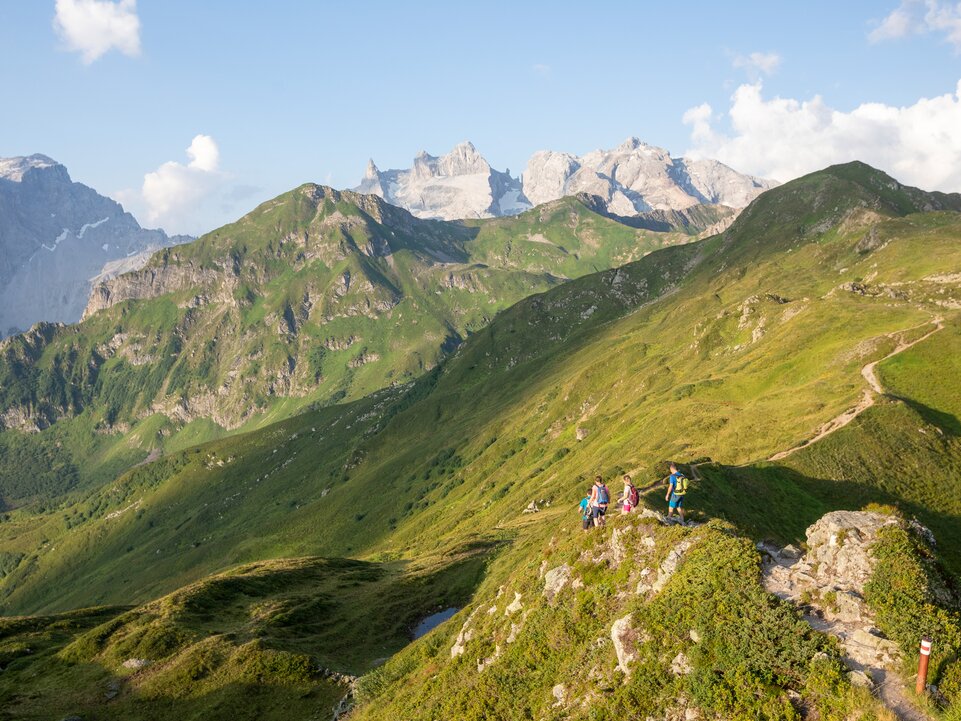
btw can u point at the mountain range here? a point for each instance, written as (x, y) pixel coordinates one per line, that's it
(632, 178)
(315, 297)
(57, 238)
(799, 365)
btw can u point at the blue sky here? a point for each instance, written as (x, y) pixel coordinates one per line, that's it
(290, 92)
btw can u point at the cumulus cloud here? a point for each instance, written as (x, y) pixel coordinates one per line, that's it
(783, 138)
(94, 27)
(757, 64)
(176, 196)
(916, 17)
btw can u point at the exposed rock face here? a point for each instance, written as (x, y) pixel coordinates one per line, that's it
(629, 180)
(636, 177)
(555, 580)
(670, 564)
(624, 636)
(148, 283)
(55, 237)
(461, 184)
(831, 576)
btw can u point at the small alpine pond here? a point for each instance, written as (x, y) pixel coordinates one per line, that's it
(433, 621)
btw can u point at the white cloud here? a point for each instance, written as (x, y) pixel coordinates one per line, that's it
(699, 118)
(757, 63)
(916, 17)
(783, 138)
(175, 196)
(541, 69)
(93, 27)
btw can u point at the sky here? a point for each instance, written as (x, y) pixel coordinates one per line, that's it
(191, 113)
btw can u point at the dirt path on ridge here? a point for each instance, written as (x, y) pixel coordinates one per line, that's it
(869, 373)
(888, 686)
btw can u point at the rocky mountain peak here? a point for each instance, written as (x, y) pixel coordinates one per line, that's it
(14, 168)
(55, 235)
(460, 184)
(631, 179)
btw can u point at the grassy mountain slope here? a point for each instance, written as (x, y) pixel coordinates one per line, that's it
(732, 349)
(314, 297)
(591, 627)
(258, 642)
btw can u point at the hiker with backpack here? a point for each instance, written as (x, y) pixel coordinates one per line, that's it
(587, 519)
(676, 490)
(630, 497)
(600, 500)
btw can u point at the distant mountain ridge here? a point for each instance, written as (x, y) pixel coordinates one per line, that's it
(461, 184)
(57, 235)
(631, 179)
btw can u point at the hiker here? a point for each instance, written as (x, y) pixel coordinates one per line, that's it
(630, 497)
(586, 514)
(600, 499)
(676, 490)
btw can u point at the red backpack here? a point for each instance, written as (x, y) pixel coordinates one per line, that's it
(633, 496)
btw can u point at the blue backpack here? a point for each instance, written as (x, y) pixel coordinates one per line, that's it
(603, 495)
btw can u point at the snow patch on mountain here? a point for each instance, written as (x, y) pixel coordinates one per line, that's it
(55, 235)
(14, 169)
(87, 226)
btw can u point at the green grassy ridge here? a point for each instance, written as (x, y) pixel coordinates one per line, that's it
(314, 297)
(519, 643)
(254, 642)
(653, 360)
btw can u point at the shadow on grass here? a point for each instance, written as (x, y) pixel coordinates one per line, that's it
(945, 421)
(252, 643)
(777, 503)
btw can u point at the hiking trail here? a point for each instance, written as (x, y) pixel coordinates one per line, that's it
(868, 397)
(827, 584)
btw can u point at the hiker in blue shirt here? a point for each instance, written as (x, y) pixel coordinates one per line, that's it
(586, 514)
(600, 499)
(676, 490)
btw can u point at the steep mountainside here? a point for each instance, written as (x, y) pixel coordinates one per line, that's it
(800, 362)
(56, 237)
(314, 297)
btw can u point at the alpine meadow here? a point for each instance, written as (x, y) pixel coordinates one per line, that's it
(623, 436)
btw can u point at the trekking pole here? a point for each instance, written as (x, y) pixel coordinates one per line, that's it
(923, 666)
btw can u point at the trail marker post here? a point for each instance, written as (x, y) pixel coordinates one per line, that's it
(923, 666)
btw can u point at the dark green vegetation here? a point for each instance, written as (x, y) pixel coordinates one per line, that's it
(529, 652)
(315, 297)
(733, 348)
(257, 642)
(911, 595)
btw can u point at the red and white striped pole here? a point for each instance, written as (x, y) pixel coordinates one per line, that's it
(922, 683)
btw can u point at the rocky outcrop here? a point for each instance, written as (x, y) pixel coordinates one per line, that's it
(830, 578)
(150, 282)
(555, 580)
(55, 236)
(624, 638)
